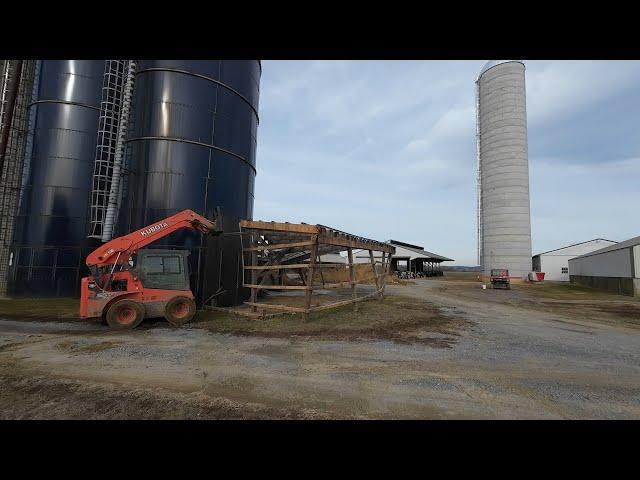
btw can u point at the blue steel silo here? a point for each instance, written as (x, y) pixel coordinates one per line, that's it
(192, 144)
(50, 238)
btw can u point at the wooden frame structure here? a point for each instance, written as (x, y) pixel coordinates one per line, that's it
(273, 250)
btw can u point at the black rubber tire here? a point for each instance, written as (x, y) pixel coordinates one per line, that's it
(179, 310)
(125, 315)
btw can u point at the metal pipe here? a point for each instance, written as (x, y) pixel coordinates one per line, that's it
(4, 76)
(112, 206)
(478, 173)
(31, 121)
(15, 66)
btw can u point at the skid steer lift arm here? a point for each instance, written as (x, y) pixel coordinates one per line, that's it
(122, 247)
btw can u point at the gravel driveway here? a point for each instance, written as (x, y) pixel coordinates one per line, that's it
(514, 362)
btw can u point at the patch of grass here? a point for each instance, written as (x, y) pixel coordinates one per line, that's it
(40, 307)
(582, 302)
(395, 318)
(568, 291)
(459, 276)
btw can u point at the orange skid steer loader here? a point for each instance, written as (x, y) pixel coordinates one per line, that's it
(128, 283)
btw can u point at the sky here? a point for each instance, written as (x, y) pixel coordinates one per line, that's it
(386, 150)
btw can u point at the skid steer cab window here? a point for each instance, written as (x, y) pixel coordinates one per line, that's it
(166, 270)
(158, 264)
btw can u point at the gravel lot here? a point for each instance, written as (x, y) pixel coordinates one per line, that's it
(518, 357)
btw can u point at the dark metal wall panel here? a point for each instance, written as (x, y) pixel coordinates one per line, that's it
(192, 144)
(60, 166)
(11, 176)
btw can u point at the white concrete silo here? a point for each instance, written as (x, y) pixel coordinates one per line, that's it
(504, 222)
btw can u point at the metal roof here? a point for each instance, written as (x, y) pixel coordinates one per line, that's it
(575, 245)
(632, 242)
(402, 244)
(494, 63)
(420, 251)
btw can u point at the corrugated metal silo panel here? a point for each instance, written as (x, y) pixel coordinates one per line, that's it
(58, 166)
(192, 144)
(505, 223)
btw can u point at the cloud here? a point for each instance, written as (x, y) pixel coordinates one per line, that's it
(559, 90)
(386, 149)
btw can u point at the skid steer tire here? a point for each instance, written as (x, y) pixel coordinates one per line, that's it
(179, 310)
(125, 315)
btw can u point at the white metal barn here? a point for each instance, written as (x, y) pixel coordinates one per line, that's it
(555, 263)
(615, 268)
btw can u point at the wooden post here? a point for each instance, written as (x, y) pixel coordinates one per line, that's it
(321, 274)
(383, 278)
(389, 266)
(310, 270)
(373, 267)
(254, 273)
(352, 274)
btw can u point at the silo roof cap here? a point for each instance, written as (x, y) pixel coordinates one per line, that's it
(493, 63)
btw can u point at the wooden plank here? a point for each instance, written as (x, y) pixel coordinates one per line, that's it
(286, 308)
(328, 286)
(264, 275)
(279, 227)
(277, 246)
(275, 287)
(295, 265)
(238, 311)
(344, 302)
(344, 241)
(324, 236)
(275, 306)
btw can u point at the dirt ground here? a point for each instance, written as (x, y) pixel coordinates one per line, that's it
(437, 348)
(395, 318)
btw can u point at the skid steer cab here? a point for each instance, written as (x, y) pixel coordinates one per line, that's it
(129, 283)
